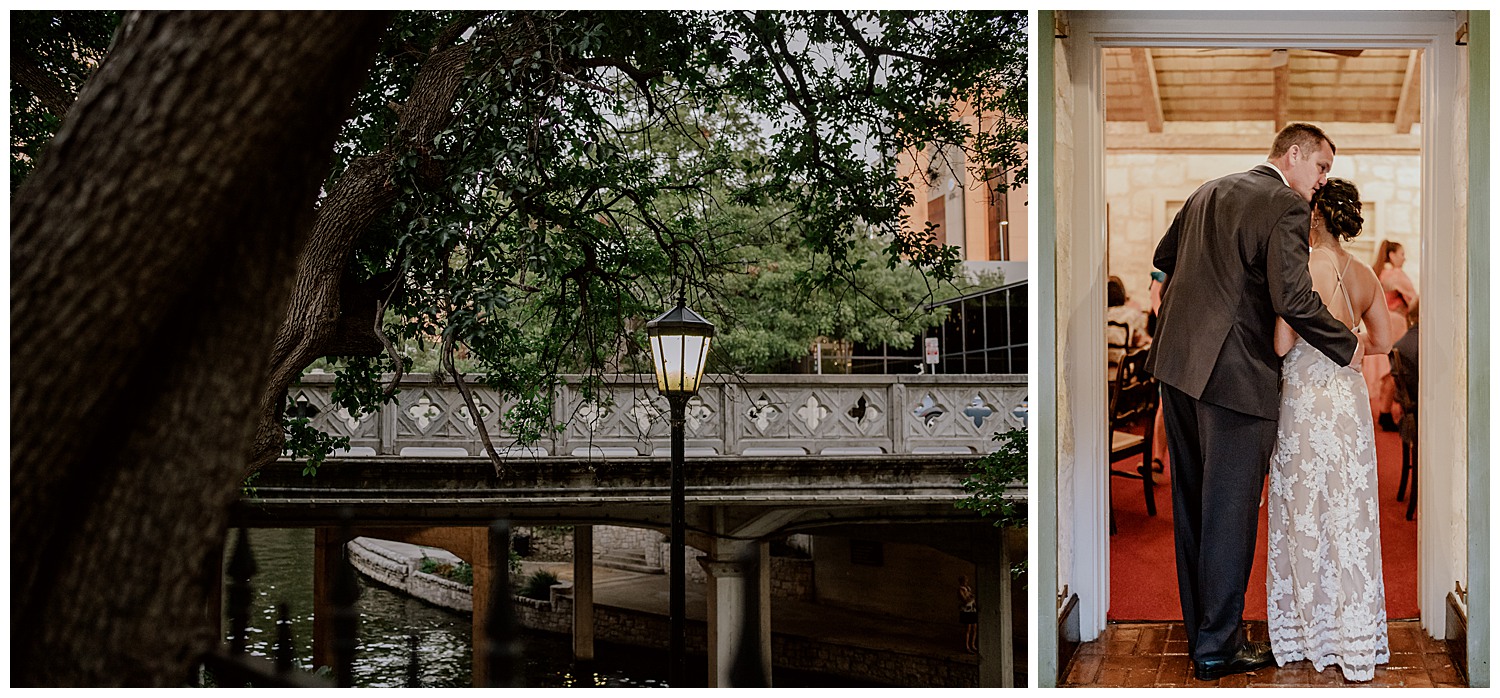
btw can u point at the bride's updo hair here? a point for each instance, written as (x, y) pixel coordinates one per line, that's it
(1338, 203)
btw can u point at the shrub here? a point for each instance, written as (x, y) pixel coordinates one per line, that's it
(539, 585)
(463, 572)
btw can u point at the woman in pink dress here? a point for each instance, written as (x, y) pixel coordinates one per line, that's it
(1400, 299)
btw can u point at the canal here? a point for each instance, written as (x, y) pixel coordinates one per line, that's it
(388, 620)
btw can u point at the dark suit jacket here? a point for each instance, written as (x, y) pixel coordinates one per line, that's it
(1407, 349)
(1235, 258)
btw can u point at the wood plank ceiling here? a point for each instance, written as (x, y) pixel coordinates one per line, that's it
(1160, 85)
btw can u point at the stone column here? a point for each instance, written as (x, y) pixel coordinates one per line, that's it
(484, 577)
(328, 553)
(583, 593)
(992, 586)
(736, 570)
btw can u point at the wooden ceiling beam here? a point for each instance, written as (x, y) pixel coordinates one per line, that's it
(1349, 144)
(1408, 108)
(1150, 94)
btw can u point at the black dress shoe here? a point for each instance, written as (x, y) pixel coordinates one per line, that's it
(1250, 656)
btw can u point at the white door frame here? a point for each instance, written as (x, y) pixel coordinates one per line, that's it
(1442, 528)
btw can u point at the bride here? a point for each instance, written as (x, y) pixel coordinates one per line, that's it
(1324, 590)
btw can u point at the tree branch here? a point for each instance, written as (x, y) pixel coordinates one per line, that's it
(52, 94)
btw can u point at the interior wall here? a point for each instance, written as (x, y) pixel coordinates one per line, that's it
(1144, 189)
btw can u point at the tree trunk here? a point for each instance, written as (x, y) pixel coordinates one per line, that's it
(362, 195)
(154, 245)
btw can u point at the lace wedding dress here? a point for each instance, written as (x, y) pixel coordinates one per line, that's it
(1325, 594)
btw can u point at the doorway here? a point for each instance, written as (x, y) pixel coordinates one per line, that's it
(1176, 117)
(1072, 461)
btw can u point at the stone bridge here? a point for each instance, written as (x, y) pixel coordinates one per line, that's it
(784, 451)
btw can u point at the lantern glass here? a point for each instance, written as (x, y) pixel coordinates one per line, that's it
(680, 339)
(679, 362)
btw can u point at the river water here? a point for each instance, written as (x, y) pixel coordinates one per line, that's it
(387, 620)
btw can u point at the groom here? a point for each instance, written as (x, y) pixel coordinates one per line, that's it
(1235, 258)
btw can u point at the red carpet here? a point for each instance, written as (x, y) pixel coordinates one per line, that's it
(1143, 565)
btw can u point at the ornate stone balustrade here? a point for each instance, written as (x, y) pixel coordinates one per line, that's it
(761, 415)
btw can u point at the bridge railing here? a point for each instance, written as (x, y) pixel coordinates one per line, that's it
(755, 415)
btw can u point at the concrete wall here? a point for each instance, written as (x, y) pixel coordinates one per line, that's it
(1143, 191)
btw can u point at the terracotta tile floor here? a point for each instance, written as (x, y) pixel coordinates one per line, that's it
(1155, 654)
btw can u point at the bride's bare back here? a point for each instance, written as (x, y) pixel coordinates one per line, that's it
(1365, 299)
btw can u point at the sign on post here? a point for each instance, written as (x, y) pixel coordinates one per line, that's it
(931, 345)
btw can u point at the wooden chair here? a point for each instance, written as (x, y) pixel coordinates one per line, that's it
(1133, 400)
(1116, 330)
(1406, 388)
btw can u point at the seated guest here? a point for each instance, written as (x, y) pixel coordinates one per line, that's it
(1126, 328)
(1406, 348)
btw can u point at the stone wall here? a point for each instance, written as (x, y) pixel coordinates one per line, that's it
(1144, 190)
(404, 575)
(692, 557)
(553, 616)
(792, 578)
(548, 543)
(911, 581)
(647, 541)
(887, 667)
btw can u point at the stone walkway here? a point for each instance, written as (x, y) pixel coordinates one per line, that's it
(1155, 654)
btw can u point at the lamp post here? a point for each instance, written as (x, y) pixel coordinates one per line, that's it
(679, 347)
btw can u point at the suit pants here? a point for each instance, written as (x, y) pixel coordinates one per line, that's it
(1220, 458)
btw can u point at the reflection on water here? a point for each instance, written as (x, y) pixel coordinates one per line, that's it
(387, 620)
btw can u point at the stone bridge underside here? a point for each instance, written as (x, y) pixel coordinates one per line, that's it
(737, 497)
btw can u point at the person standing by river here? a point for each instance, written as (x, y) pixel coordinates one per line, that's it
(968, 614)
